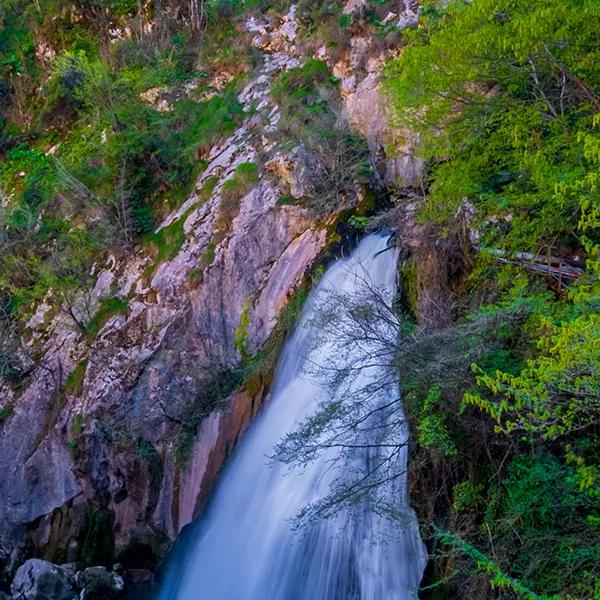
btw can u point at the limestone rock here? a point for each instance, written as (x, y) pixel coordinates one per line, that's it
(98, 583)
(110, 444)
(40, 580)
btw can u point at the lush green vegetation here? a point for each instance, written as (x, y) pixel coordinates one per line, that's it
(310, 124)
(506, 401)
(98, 138)
(502, 388)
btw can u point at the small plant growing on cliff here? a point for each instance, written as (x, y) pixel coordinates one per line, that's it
(211, 388)
(5, 412)
(108, 308)
(207, 189)
(241, 340)
(77, 425)
(208, 255)
(232, 191)
(359, 221)
(247, 173)
(432, 430)
(145, 449)
(334, 159)
(75, 431)
(74, 381)
(260, 369)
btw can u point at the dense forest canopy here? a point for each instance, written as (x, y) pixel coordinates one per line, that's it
(505, 98)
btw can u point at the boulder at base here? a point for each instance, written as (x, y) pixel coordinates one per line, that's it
(41, 580)
(98, 582)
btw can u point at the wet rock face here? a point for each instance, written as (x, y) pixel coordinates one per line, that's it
(112, 443)
(367, 108)
(104, 456)
(138, 584)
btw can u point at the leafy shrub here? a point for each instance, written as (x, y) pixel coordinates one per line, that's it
(108, 308)
(336, 159)
(432, 430)
(467, 496)
(481, 83)
(74, 381)
(213, 390)
(207, 189)
(209, 254)
(303, 86)
(5, 412)
(240, 340)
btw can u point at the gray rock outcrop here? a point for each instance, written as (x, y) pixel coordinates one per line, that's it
(95, 468)
(40, 580)
(97, 583)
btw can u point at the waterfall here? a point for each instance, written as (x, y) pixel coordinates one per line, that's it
(245, 546)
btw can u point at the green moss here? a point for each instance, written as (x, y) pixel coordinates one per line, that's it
(261, 367)
(75, 432)
(174, 198)
(195, 276)
(241, 340)
(74, 381)
(301, 84)
(108, 308)
(6, 411)
(247, 173)
(207, 189)
(209, 254)
(246, 176)
(98, 545)
(168, 241)
(432, 431)
(213, 391)
(410, 289)
(232, 191)
(145, 449)
(77, 425)
(358, 221)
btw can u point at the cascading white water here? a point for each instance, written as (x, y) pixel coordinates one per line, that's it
(245, 547)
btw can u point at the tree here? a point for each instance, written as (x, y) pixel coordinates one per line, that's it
(359, 427)
(503, 96)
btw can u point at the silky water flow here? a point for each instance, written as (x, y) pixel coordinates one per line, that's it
(247, 545)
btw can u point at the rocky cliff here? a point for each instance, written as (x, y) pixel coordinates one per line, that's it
(115, 439)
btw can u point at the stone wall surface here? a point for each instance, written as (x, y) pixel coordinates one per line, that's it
(75, 462)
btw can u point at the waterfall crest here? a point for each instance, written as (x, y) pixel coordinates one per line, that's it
(245, 546)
